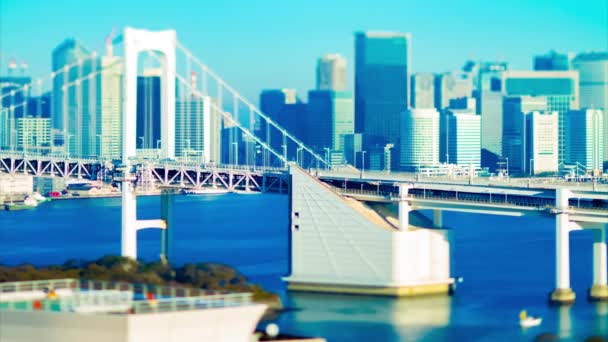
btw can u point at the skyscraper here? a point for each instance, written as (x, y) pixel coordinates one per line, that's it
(540, 142)
(486, 75)
(330, 116)
(423, 90)
(331, 73)
(585, 139)
(460, 136)
(108, 132)
(450, 86)
(148, 109)
(420, 138)
(489, 106)
(382, 83)
(561, 89)
(14, 104)
(285, 108)
(197, 130)
(553, 61)
(593, 78)
(66, 69)
(514, 111)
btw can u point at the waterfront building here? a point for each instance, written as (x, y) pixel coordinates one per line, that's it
(331, 72)
(330, 115)
(287, 110)
(452, 85)
(561, 88)
(33, 133)
(420, 138)
(382, 83)
(553, 61)
(514, 110)
(540, 143)
(423, 90)
(585, 139)
(593, 80)
(15, 185)
(460, 135)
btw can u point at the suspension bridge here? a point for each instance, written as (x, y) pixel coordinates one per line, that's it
(350, 232)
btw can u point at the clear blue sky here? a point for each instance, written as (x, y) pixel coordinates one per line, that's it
(256, 44)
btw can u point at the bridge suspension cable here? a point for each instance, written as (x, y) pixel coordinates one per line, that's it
(221, 84)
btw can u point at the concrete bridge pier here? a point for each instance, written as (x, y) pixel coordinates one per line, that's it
(599, 289)
(437, 218)
(166, 215)
(129, 220)
(563, 293)
(404, 207)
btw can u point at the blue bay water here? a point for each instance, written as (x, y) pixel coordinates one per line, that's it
(507, 265)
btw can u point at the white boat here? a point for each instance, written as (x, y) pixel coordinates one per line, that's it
(245, 192)
(38, 197)
(30, 202)
(528, 321)
(205, 191)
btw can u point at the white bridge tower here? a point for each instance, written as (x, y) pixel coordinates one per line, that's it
(135, 41)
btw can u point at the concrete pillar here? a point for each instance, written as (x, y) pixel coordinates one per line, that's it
(166, 214)
(599, 290)
(562, 294)
(437, 218)
(404, 207)
(129, 218)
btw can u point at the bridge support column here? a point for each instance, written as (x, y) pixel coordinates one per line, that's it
(562, 294)
(599, 290)
(404, 207)
(437, 218)
(129, 221)
(166, 214)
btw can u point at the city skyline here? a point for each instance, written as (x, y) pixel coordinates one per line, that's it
(296, 49)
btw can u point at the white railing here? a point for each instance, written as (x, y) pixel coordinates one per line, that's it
(191, 303)
(72, 295)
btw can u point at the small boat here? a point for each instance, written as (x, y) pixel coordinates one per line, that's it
(528, 321)
(205, 191)
(38, 197)
(28, 203)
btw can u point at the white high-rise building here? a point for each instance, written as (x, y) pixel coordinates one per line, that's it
(4, 129)
(593, 80)
(461, 137)
(423, 90)
(585, 138)
(513, 129)
(108, 130)
(33, 133)
(331, 72)
(541, 148)
(419, 138)
(197, 130)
